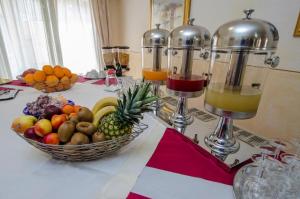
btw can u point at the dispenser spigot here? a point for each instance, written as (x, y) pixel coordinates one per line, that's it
(273, 61)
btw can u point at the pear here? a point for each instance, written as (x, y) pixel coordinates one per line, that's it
(22, 123)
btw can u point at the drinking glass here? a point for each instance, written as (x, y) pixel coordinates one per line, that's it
(111, 81)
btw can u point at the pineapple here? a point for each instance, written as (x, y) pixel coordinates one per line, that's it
(128, 112)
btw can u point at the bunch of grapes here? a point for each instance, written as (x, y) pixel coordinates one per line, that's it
(37, 107)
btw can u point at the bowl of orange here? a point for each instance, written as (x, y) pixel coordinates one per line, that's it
(51, 79)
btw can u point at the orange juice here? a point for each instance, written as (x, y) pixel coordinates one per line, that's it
(244, 100)
(150, 74)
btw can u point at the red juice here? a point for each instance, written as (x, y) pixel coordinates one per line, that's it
(178, 83)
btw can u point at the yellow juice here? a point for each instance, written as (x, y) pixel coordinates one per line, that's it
(150, 74)
(244, 100)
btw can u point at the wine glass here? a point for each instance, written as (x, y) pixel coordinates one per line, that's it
(258, 184)
(292, 174)
(257, 187)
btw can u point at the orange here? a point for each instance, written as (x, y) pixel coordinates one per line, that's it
(65, 80)
(67, 86)
(50, 89)
(48, 69)
(39, 86)
(60, 87)
(150, 74)
(58, 71)
(29, 79)
(67, 72)
(39, 76)
(76, 108)
(52, 80)
(74, 78)
(68, 109)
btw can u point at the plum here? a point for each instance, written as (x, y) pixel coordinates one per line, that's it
(30, 133)
(51, 110)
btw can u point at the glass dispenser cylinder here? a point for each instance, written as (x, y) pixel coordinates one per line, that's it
(235, 87)
(154, 60)
(187, 45)
(108, 57)
(123, 56)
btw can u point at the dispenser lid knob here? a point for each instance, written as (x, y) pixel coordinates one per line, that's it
(157, 25)
(191, 21)
(248, 13)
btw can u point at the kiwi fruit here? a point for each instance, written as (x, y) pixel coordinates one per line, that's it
(85, 115)
(98, 137)
(74, 119)
(65, 131)
(79, 138)
(86, 128)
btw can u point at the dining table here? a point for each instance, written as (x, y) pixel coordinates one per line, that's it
(159, 163)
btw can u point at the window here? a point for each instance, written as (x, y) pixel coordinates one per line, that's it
(38, 32)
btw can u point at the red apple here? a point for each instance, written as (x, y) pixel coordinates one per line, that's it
(51, 138)
(43, 127)
(57, 120)
(30, 133)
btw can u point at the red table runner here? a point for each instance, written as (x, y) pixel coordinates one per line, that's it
(17, 83)
(178, 154)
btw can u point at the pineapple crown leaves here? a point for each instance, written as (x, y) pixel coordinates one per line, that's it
(134, 103)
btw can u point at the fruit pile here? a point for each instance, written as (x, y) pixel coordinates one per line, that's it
(55, 120)
(116, 117)
(50, 79)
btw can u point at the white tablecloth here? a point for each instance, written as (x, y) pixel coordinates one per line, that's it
(26, 172)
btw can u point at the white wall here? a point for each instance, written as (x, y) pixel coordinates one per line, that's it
(134, 16)
(114, 14)
(134, 20)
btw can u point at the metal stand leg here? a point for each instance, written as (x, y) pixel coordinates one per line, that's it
(181, 118)
(222, 141)
(156, 105)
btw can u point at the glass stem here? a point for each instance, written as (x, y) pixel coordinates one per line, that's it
(262, 167)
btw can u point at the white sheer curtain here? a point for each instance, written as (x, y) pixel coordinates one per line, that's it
(38, 32)
(76, 35)
(23, 33)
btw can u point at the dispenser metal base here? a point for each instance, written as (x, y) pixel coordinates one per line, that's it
(181, 117)
(221, 141)
(156, 105)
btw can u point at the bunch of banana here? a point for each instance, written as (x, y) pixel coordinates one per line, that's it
(104, 107)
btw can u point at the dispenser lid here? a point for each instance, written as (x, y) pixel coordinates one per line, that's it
(155, 37)
(189, 36)
(246, 34)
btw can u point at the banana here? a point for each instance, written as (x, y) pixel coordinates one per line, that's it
(107, 101)
(101, 113)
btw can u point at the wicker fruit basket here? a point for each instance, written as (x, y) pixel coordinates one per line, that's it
(86, 152)
(50, 79)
